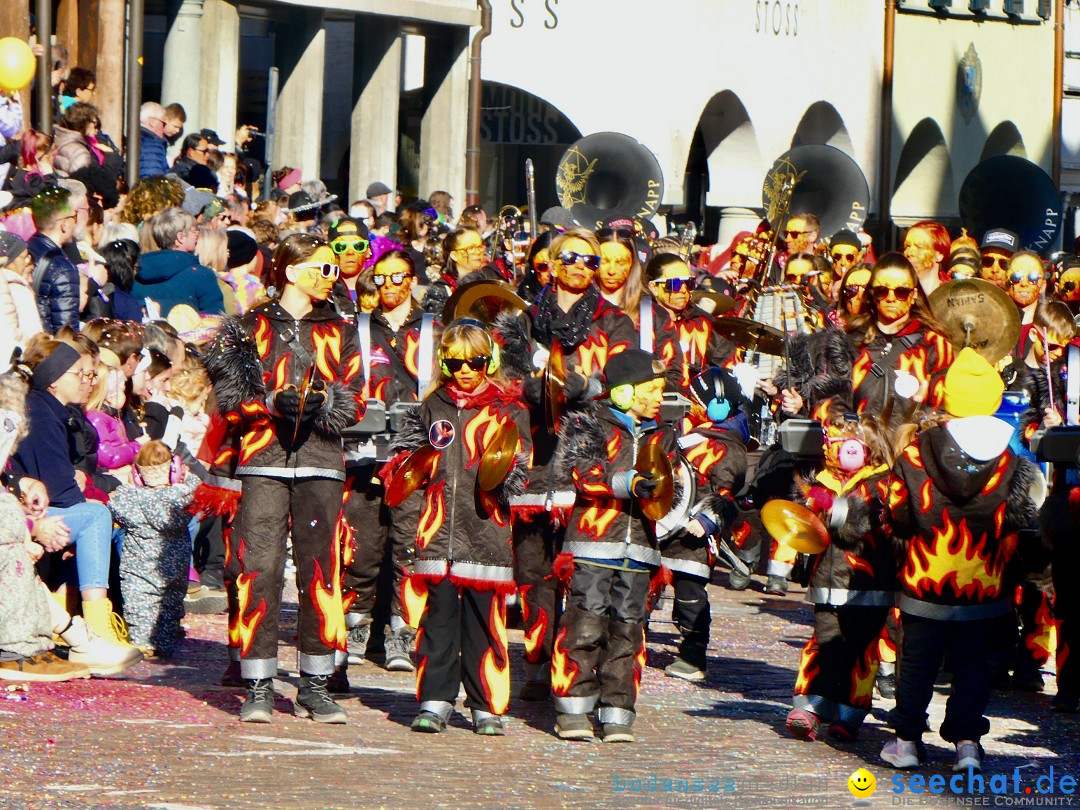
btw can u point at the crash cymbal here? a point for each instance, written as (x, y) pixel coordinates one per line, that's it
(498, 457)
(793, 525)
(418, 467)
(978, 314)
(653, 459)
(756, 337)
(483, 301)
(554, 381)
(714, 303)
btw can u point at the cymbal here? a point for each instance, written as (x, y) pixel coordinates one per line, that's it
(653, 459)
(758, 337)
(793, 525)
(713, 303)
(498, 457)
(483, 301)
(978, 314)
(418, 467)
(554, 381)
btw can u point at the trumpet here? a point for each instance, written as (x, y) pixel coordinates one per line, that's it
(507, 221)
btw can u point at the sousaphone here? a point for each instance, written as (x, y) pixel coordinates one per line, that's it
(826, 183)
(482, 301)
(606, 175)
(1011, 192)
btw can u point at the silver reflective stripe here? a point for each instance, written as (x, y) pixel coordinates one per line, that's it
(690, 567)
(340, 657)
(469, 570)
(815, 703)
(842, 596)
(558, 498)
(648, 556)
(363, 328)
(479, 716)
(1072, 387)
(431, 568)
(576, 705)
(775, 568)
(223, 482)
(426, 356)
(597, 550)
(315, 664)
(953, 613)
(291, 472)
(612, 714)
(438, 707)
(645, 319)
(258, 668)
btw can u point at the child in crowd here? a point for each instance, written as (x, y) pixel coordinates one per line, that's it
(190, 386)
(599, 651)
(463, 554)
(157, 547)
(116, 452)
(853, 583)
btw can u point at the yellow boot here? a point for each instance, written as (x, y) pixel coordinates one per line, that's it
(106, 624)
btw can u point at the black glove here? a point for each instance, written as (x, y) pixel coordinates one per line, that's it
(644, 484)
(287, 403)
(575, 387)
(534, 389)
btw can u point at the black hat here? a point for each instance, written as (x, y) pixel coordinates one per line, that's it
(1000, 239)
(211, 137)
(12, 246)
(845, 237)
(361, 228)
(242, 248)
(377, 189)
(630, 367)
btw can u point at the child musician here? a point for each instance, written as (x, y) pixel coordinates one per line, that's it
(463, 553)
(599, 650)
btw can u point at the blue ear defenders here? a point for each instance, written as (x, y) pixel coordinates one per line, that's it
(494, 356)
(718, 409)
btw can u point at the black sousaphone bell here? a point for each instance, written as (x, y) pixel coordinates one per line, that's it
(827, 183)
(607, 175)
(1011, 192)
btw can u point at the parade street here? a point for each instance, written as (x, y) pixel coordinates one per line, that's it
(168, 737)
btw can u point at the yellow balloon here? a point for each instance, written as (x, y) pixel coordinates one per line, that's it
(17, 64)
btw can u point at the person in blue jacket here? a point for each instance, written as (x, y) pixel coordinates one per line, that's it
(172, 275)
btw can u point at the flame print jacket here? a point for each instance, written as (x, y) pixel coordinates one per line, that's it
(958, 518)
(915, 350)
(396, 356)
(266, 350)
(717, 458)
(858, 567)
(702, 346)
(464, 532)
(598, 453)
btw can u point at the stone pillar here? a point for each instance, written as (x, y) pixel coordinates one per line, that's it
(220, 69)
(376, 98)
(445, 124)
(67, 30)
(734, 220)
(181, 74)
(300, 58)
(108, 43)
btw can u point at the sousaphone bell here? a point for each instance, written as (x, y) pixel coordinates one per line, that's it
(827, 183)
(607, 175)
(1011, 192)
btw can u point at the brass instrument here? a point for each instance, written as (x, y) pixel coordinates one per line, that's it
(1011, 192)
(607, 175)
(530, 196)
(508, 220)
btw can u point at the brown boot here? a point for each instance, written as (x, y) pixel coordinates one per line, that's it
(45, 666)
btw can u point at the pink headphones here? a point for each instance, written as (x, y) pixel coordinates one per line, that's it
(175, 468)
(852, 453)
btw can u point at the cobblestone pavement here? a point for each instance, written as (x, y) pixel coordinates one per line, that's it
(167, 737)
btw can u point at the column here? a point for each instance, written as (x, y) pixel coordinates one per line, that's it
(300, 51)
(108, 43)
(444, 126)
(67, 30)
(733, 221)
(183, 59)
(376, 98)
(220, 69)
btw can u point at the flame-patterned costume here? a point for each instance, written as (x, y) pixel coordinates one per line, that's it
(543, 509)
(853, 588)
(287, 482)
(598, 654)
(957, 498)
(463, 556)
(702, 346)
(717, 457)
(914, 350)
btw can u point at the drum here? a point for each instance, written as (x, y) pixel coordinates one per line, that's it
(686, 497)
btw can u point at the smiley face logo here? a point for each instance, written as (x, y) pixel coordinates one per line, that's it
(862, 784)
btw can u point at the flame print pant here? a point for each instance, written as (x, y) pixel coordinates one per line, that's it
(923, 648)
(599, 652)
(839, 663)
(258, 544)
(462, 640)
(537, 542)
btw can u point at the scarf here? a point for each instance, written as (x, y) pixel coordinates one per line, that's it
(549, 322)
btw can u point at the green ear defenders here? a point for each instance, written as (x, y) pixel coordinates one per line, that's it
(494, 355)
(622, 396)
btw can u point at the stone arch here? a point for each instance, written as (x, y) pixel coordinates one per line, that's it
(1005, 139)
(924, 187)
(821, 123)
(731, 151)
